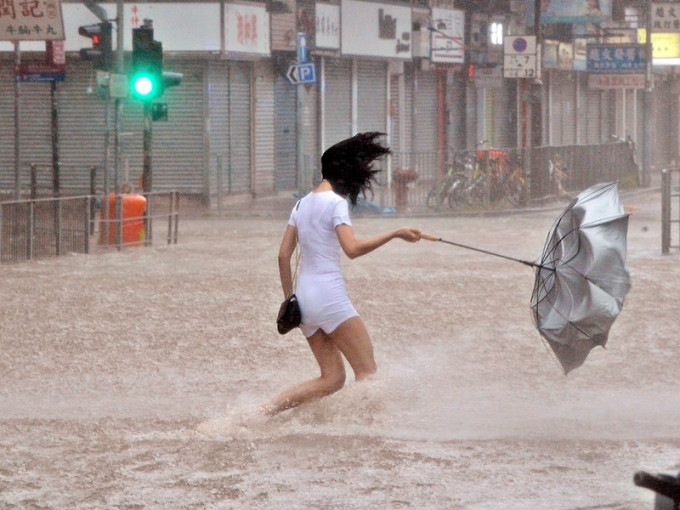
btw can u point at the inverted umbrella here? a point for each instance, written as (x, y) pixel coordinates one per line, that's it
(581, 276)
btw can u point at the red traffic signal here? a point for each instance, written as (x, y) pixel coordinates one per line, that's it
(100, 54)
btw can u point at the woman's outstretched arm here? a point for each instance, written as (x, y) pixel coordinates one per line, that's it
(354, 247)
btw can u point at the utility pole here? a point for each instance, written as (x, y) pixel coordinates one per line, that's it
(536, 107)
(647, 113)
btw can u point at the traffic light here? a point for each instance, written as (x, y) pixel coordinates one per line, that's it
(171, 79)
(100, 53)
(146, 78)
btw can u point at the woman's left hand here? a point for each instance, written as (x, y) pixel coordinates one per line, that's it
(411, 235)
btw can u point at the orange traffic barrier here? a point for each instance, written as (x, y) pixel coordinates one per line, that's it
(134, 207)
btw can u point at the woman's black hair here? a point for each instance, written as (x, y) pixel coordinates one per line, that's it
(348, 165)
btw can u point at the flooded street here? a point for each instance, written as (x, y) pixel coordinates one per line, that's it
(129, 378)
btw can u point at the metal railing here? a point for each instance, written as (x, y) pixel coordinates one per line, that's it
(44, 227)
(502, 178)
(669, 191)
(47, 227)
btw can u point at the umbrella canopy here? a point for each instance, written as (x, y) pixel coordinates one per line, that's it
(581, 277)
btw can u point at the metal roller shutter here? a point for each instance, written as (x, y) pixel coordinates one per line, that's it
(338, 91)
(582, 109)
(35, 137)
(592, 117)
(285, 130)
(425, 111)
(7, 138)
(82, 130)
(567, 115)
(240, 129)
(395, 114)
(218, 116)
(263, 144)
(179, 145)
(409, 120)
(455, 92)
(371, 96)
(555, 109)
(471, 133)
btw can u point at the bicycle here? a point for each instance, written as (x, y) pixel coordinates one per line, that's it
(449, 190)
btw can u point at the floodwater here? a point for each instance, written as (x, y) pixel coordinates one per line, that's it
(129, 378)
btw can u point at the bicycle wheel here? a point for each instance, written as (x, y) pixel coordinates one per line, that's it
(456, 195)
(432, 201)
(479, 193)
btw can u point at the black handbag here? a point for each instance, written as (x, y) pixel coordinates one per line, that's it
(289, 315)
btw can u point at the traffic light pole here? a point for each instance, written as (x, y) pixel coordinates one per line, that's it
(146, 168)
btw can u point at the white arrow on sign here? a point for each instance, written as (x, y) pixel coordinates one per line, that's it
(299, 74)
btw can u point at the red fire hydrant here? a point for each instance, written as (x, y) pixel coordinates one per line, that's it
(401, 177)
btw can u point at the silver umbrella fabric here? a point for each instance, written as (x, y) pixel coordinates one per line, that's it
(582, 278)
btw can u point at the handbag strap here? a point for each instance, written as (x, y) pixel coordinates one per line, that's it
(297, 267)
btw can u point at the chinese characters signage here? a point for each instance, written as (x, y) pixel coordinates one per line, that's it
(31, 20)
(616, 58)
(246, 29)
(448, 35)
(665, 18)
(327, 26)
(384, 30)
(616, 81)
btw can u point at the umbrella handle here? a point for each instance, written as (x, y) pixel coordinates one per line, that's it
(525, 262)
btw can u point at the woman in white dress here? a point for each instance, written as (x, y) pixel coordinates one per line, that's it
(320, 222)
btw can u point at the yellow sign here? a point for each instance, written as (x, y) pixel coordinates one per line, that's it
(663, 45)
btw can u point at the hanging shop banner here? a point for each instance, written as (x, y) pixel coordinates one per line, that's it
(666, 18)
(384, 31)
(32, 20)
(246, 29)
(327, 26)
(616, 58)
(448, 36)
(571, 11)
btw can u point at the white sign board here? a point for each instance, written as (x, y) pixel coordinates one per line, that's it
(520, 57)
(448, 36)
(246, 29)
(376, 30)
(665, 18)
(489, 78)
(327, 26)
(32, 20)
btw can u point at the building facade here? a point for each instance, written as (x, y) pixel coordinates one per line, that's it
(429, 77)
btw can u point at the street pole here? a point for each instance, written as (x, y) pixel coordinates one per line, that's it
(146, 168)
(647, 113)
(120, 69)
(17, 124)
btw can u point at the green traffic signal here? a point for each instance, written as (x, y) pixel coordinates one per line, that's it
(147, 64)
(143, 86)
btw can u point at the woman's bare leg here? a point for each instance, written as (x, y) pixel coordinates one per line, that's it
(332, 377)
(353, 341)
